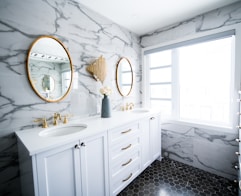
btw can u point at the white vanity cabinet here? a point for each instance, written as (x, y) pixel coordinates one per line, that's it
(58, 171)
(155, 136)
(124, 155)
(151, 139)
(100, 160)
(94, 166)
(76, 169)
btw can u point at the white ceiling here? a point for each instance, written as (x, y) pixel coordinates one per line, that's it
(143, 16)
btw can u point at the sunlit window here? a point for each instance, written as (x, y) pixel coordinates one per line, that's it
(204, 79)
(193, 82)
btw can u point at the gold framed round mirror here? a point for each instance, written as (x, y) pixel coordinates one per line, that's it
(49, 68)
(124, 76)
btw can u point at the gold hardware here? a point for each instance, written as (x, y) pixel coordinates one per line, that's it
(129, 106)
(57, 117)
(66, 120)
(43, 120)
(124, 164)
(127, 178)
(123, 132)
(126, 147)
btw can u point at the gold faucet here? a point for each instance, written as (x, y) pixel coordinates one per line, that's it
(129, 106)
(43, 120)
(57, 117)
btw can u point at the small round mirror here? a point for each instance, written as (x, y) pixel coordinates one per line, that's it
(124, 76)
(49, 68)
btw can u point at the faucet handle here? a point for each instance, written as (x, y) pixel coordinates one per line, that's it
(131, 106)
(57, 115)
(65, 121)
(43, 120)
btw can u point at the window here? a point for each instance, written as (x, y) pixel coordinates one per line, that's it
(193, 82)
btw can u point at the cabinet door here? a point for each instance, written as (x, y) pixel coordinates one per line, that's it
(146, 143)
(58, 171)
(94, 166)
(155, 135)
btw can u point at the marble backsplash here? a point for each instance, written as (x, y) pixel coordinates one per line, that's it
(86, 35)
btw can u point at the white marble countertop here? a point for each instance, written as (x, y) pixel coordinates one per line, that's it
(95, 125)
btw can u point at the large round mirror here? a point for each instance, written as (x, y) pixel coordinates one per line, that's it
(124, 76)
(49, 68)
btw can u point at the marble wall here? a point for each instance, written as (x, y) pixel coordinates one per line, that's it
(208, 149)
(86, 35)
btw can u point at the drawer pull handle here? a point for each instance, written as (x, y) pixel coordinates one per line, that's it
(123, 132)
(127, 178)
(126, 147)
(124, 164)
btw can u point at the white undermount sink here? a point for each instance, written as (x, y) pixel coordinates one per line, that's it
(62, 130)
(140, 110)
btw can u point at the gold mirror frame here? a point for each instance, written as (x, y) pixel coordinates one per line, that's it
(32, 83)
(118, 77)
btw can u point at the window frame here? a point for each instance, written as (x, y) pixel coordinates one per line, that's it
(235, 86)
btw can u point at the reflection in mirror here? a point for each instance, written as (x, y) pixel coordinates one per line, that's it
(49, 69)
(124, 76)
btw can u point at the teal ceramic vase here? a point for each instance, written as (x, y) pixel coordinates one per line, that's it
(105, 107)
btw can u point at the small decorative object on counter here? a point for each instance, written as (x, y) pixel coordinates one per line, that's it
(105, 107)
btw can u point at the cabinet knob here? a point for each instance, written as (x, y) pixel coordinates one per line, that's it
(152, 118)
(236, 167)
(237, 140)
(239, 127)
(82, 144)
(237, 153)
(77, 146)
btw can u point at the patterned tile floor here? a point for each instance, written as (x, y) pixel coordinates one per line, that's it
(171, 178)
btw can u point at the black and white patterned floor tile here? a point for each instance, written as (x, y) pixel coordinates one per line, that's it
(171, 178)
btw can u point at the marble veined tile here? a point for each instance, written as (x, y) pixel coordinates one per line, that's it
(216, 158)
(177, 147)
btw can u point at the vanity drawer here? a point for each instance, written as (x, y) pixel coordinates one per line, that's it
(125, 161)
(121, 180)
(125, 147)
(121, 133)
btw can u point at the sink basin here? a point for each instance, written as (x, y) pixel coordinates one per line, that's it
(62, 130)
(140, 110)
